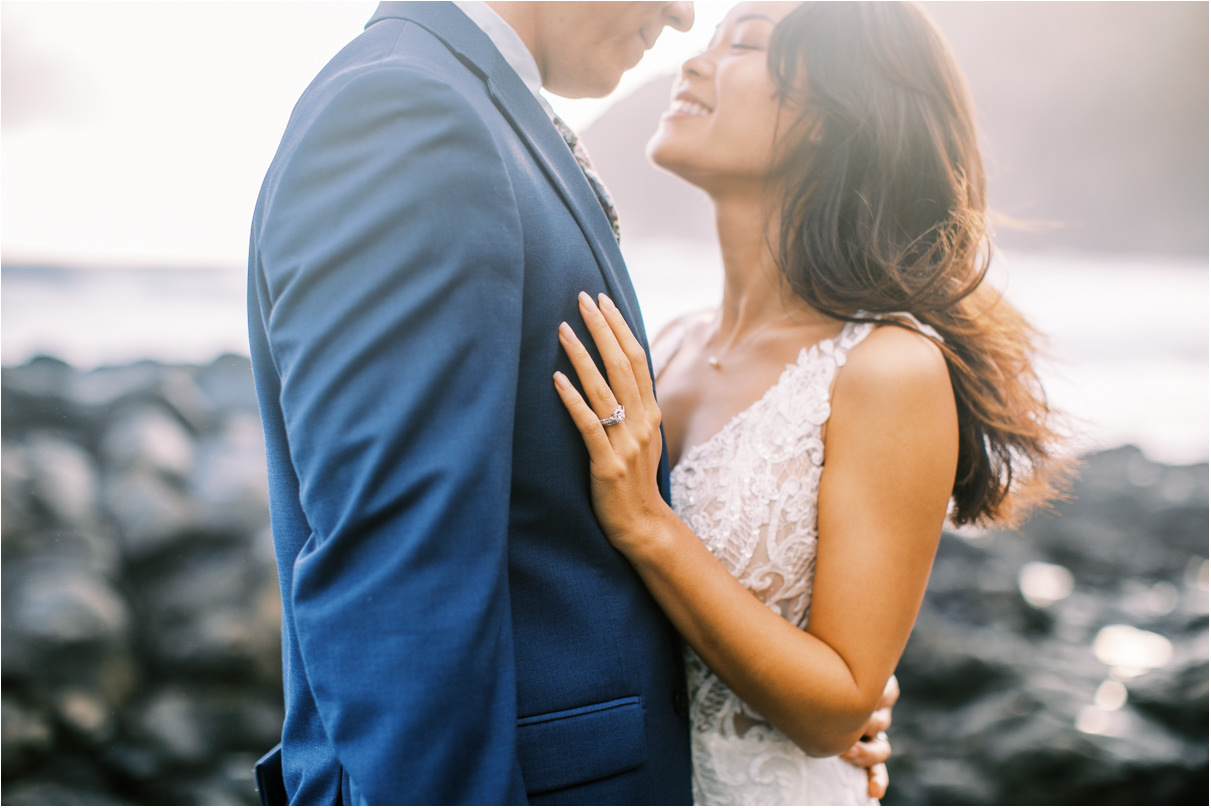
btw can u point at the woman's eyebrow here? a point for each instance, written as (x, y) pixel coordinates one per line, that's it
(747, 17)
(738, 20)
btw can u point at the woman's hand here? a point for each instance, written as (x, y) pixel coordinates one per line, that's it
(873, 750)
(624, 457)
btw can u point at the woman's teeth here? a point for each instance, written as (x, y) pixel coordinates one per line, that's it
(690, 108)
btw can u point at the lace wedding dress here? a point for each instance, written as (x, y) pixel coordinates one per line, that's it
(749, 493)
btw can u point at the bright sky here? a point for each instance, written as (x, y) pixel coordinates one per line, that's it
(137, 133)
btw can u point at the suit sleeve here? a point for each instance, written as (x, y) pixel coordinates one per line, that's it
(393, 251)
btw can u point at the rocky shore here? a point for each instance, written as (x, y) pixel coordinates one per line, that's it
(1065, 663)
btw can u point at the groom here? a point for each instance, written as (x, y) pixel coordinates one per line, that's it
(456, 629)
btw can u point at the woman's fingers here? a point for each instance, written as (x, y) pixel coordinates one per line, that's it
(877, 781)
(586, 420)
(868, 752)
(891, 694)
(615, 360)
(630, 346)
(873, 747)
(879, 722)
(600, 397)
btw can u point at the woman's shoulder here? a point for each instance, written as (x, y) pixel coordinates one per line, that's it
(899, 358)
(894, 396)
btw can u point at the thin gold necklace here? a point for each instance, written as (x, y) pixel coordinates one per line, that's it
(712, 359)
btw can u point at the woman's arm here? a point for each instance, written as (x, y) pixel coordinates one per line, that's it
(891, 448)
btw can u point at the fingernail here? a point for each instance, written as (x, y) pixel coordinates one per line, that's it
(606, 303)
(588, 301)
(566, 331)
(561, 381)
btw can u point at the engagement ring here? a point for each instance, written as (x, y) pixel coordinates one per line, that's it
(616, 417)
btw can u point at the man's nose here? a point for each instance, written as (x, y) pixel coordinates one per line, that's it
(679, 16)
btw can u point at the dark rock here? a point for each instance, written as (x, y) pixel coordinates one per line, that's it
(1114, 527)
(26, 734)
(62, 604)
(87, 712)
(1176, 697)
(136, 551)
(58, 792)
(67, 636)
(35, 395)
(152, 515)
(229, 481)
(214, 612)
(96, 547)
(944, 667)
(17, 509)
(42, 377)
(99, 389)
(230, 782)
(149, 438)
(134, 760)
(63, 479)
(1002, 707)
(227, 381)
(943, 781)
(188, 724)
(179, 391)
(172, 723)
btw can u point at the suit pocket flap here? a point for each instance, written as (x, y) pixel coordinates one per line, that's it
(561, 749)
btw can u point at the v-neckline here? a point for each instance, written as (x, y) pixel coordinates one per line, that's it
(805, 353)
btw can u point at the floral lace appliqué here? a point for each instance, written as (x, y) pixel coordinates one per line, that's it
(749, 493)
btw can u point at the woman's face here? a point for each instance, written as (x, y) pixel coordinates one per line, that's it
(724, 119)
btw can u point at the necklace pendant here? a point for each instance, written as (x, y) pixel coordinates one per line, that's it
(713, 361)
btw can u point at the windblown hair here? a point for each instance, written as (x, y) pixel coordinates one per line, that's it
(882, 211)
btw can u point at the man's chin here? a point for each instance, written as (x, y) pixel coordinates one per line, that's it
(586, 89)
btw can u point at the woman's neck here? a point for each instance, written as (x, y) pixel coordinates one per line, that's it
(754, 291)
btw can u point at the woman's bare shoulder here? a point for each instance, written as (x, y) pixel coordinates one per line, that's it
(896, 365)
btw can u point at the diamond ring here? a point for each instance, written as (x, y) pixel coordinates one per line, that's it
(616, 417)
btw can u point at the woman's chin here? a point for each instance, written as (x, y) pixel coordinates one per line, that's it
(664, 154)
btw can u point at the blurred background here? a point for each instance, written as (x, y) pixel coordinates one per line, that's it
(1062, 663)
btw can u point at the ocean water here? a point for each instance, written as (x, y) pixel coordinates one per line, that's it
(1127, 335)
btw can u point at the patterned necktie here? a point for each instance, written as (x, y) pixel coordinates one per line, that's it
(582, 159)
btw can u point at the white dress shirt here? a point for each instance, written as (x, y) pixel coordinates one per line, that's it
(509, 44)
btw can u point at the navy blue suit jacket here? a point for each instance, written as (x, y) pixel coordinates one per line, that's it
(456, 629)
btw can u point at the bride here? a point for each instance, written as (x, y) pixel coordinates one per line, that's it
(857, 384)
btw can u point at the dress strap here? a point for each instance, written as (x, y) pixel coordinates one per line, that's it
(853, 332)
(925, 329)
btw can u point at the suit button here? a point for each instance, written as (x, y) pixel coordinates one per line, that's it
(681, 703)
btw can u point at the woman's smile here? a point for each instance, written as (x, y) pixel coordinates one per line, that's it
(685, 104)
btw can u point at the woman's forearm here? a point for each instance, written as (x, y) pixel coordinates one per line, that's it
(793, 679)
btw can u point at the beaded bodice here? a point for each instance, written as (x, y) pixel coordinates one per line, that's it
(749, 493)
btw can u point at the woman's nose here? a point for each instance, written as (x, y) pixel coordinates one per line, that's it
(696, 66)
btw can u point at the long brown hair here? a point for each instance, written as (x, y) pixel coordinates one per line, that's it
(881, 188)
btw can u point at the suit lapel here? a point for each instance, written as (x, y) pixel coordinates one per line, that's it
(530, 121)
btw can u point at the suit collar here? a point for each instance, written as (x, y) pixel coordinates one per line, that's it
(473, 47)
(451, 26)
(506, 40)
